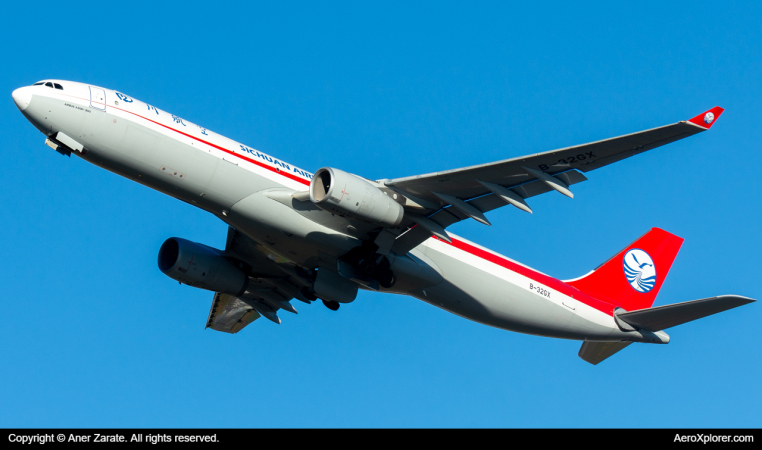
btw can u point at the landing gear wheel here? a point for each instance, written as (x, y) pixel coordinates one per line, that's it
(308, 294)
(368, 267)
(391, 282)
(385, 277)
(330, 304)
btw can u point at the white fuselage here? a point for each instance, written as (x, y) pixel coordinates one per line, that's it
(251, 191)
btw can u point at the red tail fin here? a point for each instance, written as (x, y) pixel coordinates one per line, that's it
(632, 278)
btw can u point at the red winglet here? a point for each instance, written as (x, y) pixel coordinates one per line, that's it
(707, 119)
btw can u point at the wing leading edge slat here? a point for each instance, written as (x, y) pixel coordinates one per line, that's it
(462, 183)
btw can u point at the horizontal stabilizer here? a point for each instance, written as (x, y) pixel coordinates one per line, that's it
(663, 317)
(595, 352)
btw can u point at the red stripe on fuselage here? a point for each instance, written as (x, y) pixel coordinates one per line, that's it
(245, 158)
(550, 282)
(230, 152)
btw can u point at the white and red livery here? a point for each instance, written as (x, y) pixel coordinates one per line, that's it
(298, 235)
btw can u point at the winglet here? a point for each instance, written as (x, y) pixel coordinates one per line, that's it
(707, 119)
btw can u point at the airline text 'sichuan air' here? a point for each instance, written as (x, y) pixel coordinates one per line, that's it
(298, 235)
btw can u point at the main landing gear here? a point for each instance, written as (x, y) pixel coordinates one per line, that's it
(369, 265)
(378, 268)
(309, 295)
(332, 305)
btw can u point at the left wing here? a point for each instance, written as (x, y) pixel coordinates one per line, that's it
(230, 314)
(271, 287)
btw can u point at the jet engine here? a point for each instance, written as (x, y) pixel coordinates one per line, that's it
(342, 193)
(200, 266)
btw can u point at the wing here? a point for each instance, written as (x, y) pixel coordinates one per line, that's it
(230, 314)
(443, 198)
(272, 284)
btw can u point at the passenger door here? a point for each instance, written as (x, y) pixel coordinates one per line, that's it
(98, 98)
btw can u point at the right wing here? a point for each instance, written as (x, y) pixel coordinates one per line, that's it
(462, 183)
(440, 199)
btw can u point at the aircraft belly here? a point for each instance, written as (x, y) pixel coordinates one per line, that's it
(478, 295)
(415, 272)
(287, 233)
(231, 183)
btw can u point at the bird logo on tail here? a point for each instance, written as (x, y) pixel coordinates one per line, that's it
(640, 270)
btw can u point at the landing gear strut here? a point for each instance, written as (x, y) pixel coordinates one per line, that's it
(384, 274)
(370, 265)
(308, 294)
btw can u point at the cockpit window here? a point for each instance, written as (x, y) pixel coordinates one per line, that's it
(49, 84)
(58, 86)
(38, 83)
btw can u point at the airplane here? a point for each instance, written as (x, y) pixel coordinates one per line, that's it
(295, 235)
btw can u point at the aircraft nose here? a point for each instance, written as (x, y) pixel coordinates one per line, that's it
(22, 97)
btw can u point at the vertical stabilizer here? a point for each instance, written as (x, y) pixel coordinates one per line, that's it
(633, 277)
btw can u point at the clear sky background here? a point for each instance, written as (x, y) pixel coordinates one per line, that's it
(94, 335)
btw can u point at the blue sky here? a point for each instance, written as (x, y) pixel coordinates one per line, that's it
(95, 336)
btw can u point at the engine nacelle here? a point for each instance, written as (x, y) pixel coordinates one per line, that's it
(345, 194)
(200, 266)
